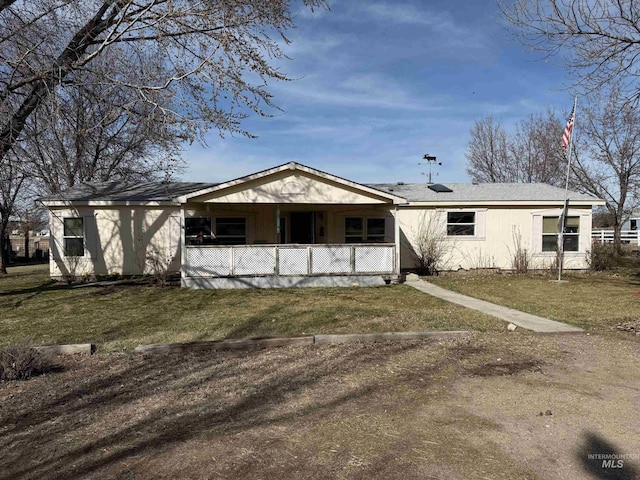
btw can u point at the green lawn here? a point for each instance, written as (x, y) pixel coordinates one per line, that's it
(591, 301)
(35, 309)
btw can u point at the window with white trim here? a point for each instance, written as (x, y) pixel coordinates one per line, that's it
(231, 230)
(73, 237)
(461, 223)
(550, 232)
(364, 230)
(198, 231)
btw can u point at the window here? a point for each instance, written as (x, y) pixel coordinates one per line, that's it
(73, 237)
(359, 230)
(550, 233)
(375, 230)
(198, 231)
(353, 230)
(461, 223)
(231, 230)
(634, 224)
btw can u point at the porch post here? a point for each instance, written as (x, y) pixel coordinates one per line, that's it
(277, 239)
(397, 240)
(183, 247)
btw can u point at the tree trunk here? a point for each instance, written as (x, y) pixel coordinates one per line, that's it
(617, 232)
(4, 247)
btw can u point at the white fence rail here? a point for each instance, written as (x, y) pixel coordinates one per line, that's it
(626, 236)
(287, 260)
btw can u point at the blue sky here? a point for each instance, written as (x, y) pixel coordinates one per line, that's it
(380, 83)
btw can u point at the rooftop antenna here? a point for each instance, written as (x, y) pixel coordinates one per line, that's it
(429, 160)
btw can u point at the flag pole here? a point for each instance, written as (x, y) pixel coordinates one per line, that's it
(565, 209)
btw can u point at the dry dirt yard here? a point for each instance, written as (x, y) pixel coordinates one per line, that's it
(432, 409)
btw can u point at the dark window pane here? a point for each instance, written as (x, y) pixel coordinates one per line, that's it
(460, 229)
(195, 226)
(375, 227)
(74, 247)
(231, 227)
(73, 227)
(461, 217)
(571, 243)
(353, 226)
(549, 243)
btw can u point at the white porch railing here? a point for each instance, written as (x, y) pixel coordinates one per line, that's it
(626, 236)
(283, 260)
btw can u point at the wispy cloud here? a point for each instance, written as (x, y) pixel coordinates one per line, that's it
(355, 91)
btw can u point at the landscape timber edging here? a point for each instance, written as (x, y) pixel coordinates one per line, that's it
(268, 342)
(71, 349)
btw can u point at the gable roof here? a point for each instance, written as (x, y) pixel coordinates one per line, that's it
(485, 193)
(293, 166)
(161, 193)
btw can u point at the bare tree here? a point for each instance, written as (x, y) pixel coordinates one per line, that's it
(488, 153)
(535, 152)
(12, 181)
(531, 154)
(176, 69)
(84, 134)
(598, 41)
(607, 155)
(210, 51)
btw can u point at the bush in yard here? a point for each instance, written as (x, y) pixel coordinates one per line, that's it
(21, 363)
(520, 256)
(601, 257)
(430, 245)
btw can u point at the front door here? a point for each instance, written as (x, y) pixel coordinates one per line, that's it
(302, 227)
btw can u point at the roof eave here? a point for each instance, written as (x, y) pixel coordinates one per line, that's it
(108, 203)
(522, 203)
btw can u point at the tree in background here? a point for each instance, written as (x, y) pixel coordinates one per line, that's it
(488, 152)
(85, 134)
(607, 155)
(159, 72)
(531, 154)
(598, 41)
(11, 181)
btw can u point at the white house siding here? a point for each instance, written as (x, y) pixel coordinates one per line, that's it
(117, 240)
(495, 240)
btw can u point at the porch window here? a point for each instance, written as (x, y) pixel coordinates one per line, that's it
(198, 231)
(73, 237)
(550, 233)
(375, 230)
(360, 230)
(461, 223)
(231, 230)
(353, 230)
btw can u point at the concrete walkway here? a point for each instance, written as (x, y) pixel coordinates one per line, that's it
(521, 319)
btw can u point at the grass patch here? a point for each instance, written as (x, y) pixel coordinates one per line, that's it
(121, 317)
(595, 301)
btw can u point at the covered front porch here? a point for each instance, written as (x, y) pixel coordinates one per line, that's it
(286, 228)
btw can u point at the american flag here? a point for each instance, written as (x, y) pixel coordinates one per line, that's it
(566, 136)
